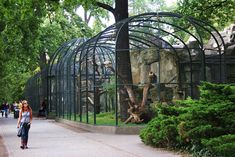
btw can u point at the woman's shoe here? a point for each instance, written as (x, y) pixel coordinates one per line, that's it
(22, 147)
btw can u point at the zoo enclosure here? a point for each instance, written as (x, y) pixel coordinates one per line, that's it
(83, 75)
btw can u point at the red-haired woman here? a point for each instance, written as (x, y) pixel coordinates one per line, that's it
(24, 121)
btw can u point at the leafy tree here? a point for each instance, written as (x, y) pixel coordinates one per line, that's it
(144, 6)
(29, 29)
(216, 12)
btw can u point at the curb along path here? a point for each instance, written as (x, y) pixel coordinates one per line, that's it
(48, 138)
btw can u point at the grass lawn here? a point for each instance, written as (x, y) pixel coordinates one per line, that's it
(107, 118)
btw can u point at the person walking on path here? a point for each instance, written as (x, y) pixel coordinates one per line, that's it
(2, 109)
(24, 121)
(6, 108)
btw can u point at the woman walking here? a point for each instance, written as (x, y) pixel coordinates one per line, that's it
(24, 121)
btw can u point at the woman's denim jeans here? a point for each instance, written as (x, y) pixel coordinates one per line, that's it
(25, 131)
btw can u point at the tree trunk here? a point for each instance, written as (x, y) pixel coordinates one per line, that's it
(97, 104)
(123, 56)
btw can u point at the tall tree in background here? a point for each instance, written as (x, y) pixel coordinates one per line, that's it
(21, 20)
(29, 29)
(145, 6)
(219, 13)
(120, 12)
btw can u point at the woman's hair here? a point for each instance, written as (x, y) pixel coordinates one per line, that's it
(28, 107)
(25, 102)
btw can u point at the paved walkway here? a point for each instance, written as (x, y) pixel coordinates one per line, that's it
(48, 138)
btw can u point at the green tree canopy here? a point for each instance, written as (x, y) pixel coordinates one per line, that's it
(28, 29)
(216, 12)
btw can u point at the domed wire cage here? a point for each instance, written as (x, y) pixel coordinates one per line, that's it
(33, 90)
(103, 76)
(60, 79)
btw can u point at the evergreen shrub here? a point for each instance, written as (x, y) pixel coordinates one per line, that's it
(205, 127)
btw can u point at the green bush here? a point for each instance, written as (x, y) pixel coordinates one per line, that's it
(205, 126)
(222, 145)
(161, 132)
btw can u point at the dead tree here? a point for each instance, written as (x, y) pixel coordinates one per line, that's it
(136, 109)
